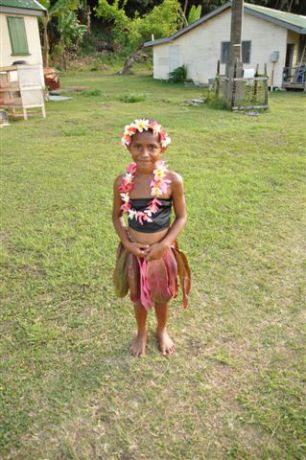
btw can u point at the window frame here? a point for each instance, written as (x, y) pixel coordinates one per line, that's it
(243, 51)
(245, 42)
(19, 24)
(224, 45)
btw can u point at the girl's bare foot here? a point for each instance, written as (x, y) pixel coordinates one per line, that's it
(166, 345)
(138, 347)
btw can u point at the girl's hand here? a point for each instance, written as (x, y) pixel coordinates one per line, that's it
(156, 251)
(138, 249)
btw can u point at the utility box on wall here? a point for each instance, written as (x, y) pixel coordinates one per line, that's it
(275, 56)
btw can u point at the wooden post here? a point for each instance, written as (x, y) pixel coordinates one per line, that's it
(255, 85)
(232, 83)
(218, 80)
(266, 85)
(218, 67)
(46, 40)
(235, 52)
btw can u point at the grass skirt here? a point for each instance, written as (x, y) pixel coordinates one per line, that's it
(153, 281)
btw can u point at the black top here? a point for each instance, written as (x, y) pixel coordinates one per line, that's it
(160, 219)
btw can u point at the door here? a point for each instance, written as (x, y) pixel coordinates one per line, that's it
(174, 57)
(289, 55)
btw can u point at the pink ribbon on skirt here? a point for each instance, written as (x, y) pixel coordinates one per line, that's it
(145, 297)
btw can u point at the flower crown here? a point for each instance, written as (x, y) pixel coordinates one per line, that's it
(144, 125)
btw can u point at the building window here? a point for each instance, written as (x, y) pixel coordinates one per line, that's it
(18, 36)
(225, 46)
(246, 52)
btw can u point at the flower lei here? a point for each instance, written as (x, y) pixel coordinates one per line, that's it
(159, 185)
(144, 125)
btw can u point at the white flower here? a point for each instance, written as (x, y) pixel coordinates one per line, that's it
(132, 213)
(129, 177)
(156, 191)
(159, 174)
(166, 142)
(125, 197)
(142, 125)
(157, 128)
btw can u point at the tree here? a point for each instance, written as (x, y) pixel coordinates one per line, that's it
(293, 6)
(58, 10)
(194, 14)
(131, 33)
(235, 45)
(71, 33)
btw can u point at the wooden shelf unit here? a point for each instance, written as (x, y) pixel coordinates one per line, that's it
(22, 87)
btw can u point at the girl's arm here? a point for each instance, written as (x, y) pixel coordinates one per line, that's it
(157, 249)
(179, 206)
(135, 248)
(117, 213)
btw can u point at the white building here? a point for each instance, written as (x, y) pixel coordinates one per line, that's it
(19, 33)
(269, 36)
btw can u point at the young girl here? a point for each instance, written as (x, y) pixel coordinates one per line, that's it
(148, 259)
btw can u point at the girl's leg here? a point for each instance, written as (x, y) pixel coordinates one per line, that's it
(166, 345)
(138, 347)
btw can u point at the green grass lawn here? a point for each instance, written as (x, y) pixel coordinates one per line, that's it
(234, 389)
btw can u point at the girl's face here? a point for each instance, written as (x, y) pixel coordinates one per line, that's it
(146, 150)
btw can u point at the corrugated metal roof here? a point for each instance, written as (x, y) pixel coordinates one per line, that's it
(290, 21)
(23, 4)
(289, 18)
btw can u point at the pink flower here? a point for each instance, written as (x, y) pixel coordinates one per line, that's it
(130, 130)
(161, 164)
(163, 187)
(154, 205)
(132, 168)
(125, 186)
(125, 207)
(126, 139)
(155, 127)
(165, 140)
(141, 216)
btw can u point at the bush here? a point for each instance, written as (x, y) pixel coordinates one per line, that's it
(92, 92)
(178, 75)
(214, 102)
(133, 97)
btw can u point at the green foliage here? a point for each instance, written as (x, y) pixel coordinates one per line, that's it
(162, 21)
(215, 102)
(62, 7)
(133, 97)
(70, 28)
(58, 51)
(130, 33)
(92, 92)
(178, 75)
(63, 17)
(194, 14)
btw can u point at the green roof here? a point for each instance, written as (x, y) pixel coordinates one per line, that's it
(289, 18)
(23, 4)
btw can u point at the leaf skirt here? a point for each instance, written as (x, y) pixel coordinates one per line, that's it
(154, 281)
